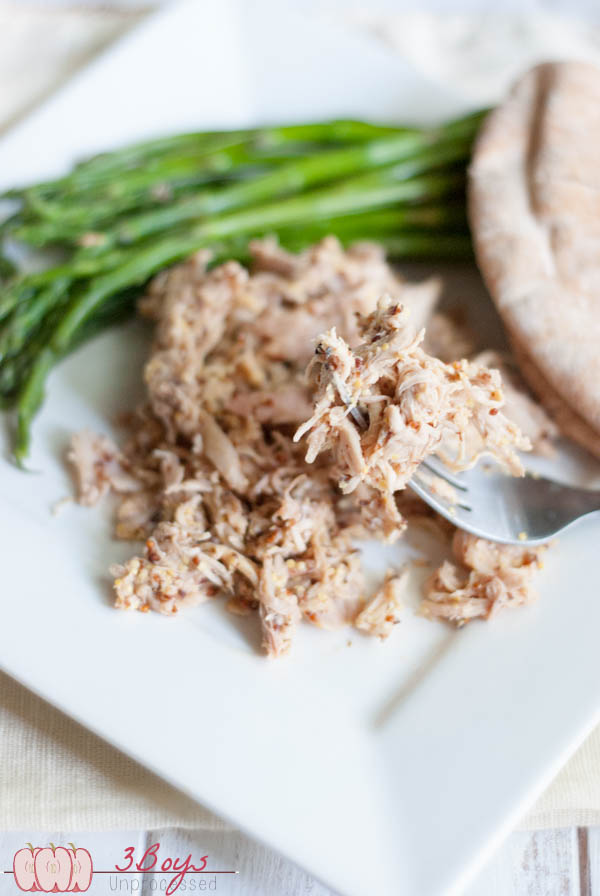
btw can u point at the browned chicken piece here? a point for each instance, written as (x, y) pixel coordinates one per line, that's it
(438, 487)
(520, 406)
(411, 405)
(98, 467)
(279, 611)
(382, 612)
(447, 338)
(180, 566)
(486, 578)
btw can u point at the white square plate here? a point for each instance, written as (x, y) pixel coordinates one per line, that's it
(382, 769)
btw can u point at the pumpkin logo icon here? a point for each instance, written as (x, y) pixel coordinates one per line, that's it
(53, 869)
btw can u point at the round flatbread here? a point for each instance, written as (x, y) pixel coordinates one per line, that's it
(534, 207)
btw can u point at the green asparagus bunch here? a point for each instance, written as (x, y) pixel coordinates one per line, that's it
(119, 217)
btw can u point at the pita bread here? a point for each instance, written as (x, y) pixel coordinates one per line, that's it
(534, 206)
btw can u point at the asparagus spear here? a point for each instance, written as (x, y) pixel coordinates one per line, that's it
(23, 289)
(325, 203)
(291, 178)
(141, 154)
(7, 269)
(447, 143)
(26, 318)
(66, 223)
(361, 225)
(236, 161)
(63, 219)
(104, 166)
(337, 131)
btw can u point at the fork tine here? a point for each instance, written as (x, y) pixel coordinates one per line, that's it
(438, 469)
(425, 485)
(521, 511)
(420, 489)
(464, 506)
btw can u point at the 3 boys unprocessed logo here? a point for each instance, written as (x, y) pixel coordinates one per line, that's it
(53, 869)
(56, 869)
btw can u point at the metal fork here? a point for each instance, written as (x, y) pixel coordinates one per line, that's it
(507, 509)
(510, 510)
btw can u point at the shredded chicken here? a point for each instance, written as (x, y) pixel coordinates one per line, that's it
(520, 406)
(382, 612)
(448, 337)
(385, 406)
(487, 578)
(438, 487)
(95, 460)
(209, 476)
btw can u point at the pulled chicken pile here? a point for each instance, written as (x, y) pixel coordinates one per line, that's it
(214, 476)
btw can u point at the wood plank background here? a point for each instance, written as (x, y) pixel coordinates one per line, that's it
(563, 862)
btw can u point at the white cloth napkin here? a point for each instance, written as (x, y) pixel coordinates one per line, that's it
(53, 773)
(57, 775)
(481, 53)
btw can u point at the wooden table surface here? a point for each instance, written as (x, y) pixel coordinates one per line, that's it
(563, 862)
